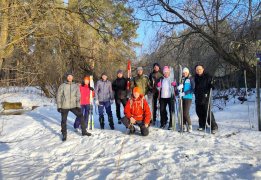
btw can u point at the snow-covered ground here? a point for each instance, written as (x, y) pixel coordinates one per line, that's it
(31, 147)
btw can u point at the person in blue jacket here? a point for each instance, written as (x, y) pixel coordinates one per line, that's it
(104, 98)
(186, 90)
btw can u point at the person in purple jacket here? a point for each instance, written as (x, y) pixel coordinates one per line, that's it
(104, 98)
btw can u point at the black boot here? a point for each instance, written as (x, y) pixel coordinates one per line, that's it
(101, 119)
(86, 134)
(110, 118)
(119, 121)
(64, 137)
(132, 130)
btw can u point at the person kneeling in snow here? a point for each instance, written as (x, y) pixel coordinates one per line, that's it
(137, 111)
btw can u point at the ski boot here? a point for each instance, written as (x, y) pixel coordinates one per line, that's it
(101, 119)
(119, 120)
(190, 128)
(110, 119)
(86, 134)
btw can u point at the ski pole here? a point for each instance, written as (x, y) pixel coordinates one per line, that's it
(207, 114)
(247, 99)
(210, 108)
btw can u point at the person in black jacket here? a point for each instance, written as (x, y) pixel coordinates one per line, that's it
(119, 86)
(203, 83)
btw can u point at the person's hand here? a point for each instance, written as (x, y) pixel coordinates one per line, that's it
(111, 101)
(173, 84)
(132, 120)
(180, 87)
(91, 88)
(146, 125)
(79, 109)
(97, 102)
(159, 84)
(59, 110)
(181, 94)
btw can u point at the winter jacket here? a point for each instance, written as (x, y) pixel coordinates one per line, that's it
(142, 82)
(85, 94)
(119, 86)
(68, 95)
(188, 87)
(202, 88)
(154, 78)
(103, 91)
(165, 88)
(138, 109)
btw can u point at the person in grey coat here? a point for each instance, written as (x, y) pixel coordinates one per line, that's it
(68, 99)
(104, 98)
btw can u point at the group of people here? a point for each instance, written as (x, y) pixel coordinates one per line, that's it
(76, 98)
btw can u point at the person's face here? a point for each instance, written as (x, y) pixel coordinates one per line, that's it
(136, 95)
(70, 78)
(120, 75)
(166, 74)
(104, 77)
(86, 82)
(156, 68)
(185, 74)
(199, 70)
(140, 72)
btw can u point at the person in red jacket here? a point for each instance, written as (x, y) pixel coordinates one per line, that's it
(85, 90)
(137, 111)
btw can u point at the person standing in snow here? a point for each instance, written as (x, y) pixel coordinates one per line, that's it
(164, 86)
(137, 111)
(141, 81)
(104, 98)
(119, 86)
(203, 83)
(68, 99)
(186, 92)
(154, 78)
(85, 90)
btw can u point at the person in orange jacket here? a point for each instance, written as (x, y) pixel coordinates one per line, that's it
(137, 111)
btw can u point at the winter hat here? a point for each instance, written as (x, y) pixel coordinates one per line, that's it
(185, 70)
(165, 69)
(86, 78)
(68, 74)
(136, 89)
(156, 64)
(104, 73)
(120, 71)
(139, 68)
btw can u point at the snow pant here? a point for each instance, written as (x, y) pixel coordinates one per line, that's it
(79, 115)
(201, 111)
(107, 106)
(155, 99)
(163, 112)
(85, 111)
(141, 124)
(186, 107)
(118, 106)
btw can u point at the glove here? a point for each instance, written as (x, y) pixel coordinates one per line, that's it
(97, 102)
(91, 88)
(78, 109)
(159, 84)
(180, 87)
(173, 84)
(59, 110)
(181, 94)
(111, 101)
(128, 79)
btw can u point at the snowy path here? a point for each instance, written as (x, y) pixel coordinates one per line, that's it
(37, 152)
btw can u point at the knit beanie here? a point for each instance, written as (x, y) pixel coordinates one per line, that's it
(165, 69)
(104, 73)
(139, 68)
(86, 78)
(156, 64)
(68, 74)
(136, 89)
(185, 70)
(119, 71)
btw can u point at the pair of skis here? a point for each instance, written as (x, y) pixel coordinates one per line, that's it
(173, 99)
(90, 120)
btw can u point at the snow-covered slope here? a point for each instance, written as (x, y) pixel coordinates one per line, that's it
(31, 147)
